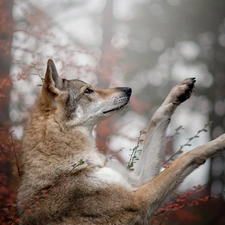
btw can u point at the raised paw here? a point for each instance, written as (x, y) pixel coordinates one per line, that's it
(182, 91)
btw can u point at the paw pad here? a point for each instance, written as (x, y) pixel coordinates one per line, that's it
(188, 87)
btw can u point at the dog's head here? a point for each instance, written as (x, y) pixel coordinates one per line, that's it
(78, 102)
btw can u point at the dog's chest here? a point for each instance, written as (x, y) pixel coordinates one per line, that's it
(109, 176)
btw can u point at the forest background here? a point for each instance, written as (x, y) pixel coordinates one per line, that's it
(149, 45)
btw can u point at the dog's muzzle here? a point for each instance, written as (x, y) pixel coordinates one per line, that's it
(121, 100)
(127, 90)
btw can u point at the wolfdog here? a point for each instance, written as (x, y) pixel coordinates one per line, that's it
(67, 181)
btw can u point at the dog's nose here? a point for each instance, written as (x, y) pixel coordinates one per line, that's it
(127, 90)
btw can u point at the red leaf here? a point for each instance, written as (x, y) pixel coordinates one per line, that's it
(18, 220)
(28, 211)
(37, 203)
(43, 191)
(46, 195)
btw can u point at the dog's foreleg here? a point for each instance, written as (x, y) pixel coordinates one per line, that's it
(152, 194)
(148, 166)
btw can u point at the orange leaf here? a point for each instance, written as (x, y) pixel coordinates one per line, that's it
(28, 211)
(18, 220)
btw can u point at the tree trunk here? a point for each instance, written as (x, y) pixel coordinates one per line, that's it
(107, 26)
(216, 182)
(105, 128)
(6, 33)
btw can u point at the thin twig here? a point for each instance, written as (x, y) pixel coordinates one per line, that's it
(134, 151)
(14, 150)
(9, 217)
(33, 66)
(187, 143)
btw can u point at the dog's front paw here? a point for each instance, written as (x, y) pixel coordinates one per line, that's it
(182, 91)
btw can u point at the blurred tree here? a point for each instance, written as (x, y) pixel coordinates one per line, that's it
(6, 33)
(107, 34)
(106, 64)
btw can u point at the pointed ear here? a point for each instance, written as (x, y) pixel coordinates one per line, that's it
(52, 82)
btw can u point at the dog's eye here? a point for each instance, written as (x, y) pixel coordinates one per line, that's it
(88, 91)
